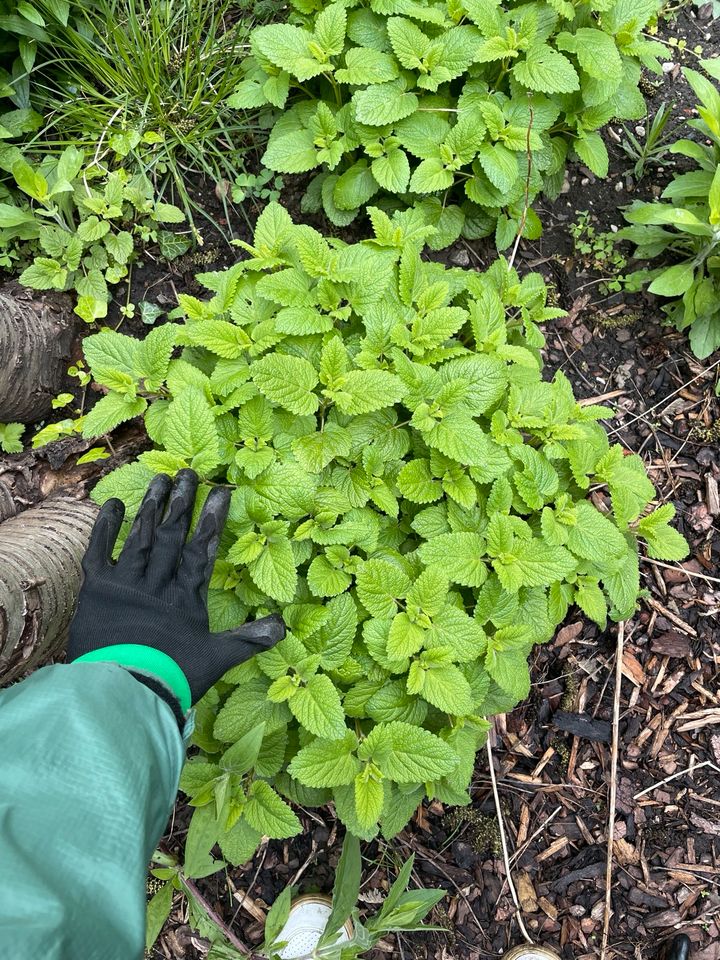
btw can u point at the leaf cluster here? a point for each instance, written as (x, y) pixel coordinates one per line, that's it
(148, 81)
(402, 910)
(441, 104)
(406, 489)
(684, 226)
(78, 225)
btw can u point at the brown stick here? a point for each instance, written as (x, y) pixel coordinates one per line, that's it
(218, 920)
(613, 788)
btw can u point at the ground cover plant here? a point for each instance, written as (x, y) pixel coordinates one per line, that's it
(407, 490)
(75, 226)
(143, 84)
(686, 229)
(410, 100)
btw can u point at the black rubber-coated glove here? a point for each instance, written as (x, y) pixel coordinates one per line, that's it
(155, 595)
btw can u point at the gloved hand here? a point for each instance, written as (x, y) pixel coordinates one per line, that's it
(148, 611)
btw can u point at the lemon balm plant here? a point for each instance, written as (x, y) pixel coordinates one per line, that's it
(468, 107)
(407, 490)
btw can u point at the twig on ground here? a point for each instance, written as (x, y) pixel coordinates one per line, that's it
(216, 918)
(613, 787)
(676, 566)
(252, 883)
(664, 400)
(691, 769)
(503, 843)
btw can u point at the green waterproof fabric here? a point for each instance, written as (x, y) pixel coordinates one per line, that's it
(89, 766)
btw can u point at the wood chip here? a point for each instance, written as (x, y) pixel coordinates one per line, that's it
(671, 645)
(632, 669)
(712, 499)
(555, 847)
(625, 853)
(249, 905)
(581, 725)
(705, 825)
(526, 892)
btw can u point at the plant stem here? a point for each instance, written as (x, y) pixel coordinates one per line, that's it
(216, 918)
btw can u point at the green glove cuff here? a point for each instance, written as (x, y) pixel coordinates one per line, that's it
(146, 660)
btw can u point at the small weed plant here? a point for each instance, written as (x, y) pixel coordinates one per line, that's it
(402, 910)
(467, 108)
(648, 149)
(599, 252)
(77, 225)
(406, 489)
(684, 226)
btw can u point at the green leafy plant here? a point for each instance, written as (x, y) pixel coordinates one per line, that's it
(147, 84)
(23, 24)
(414, 99)
(599, 251)
(264, 185)
(402, 910)
(686, 228)
(649, 149)
(78, 225)
(10, 434)
(406, 489)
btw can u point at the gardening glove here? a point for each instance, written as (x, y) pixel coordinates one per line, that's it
(148, 611)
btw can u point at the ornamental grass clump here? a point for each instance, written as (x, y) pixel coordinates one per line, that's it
(407, 491)
(467, 107)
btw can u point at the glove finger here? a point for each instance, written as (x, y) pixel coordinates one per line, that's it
(103, 536)
(135, 553)
(245, 641)
(198, 557)
(171, 533)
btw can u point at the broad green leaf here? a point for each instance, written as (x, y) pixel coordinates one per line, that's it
(189, 430)
(288, 381)
(316, 705)
(327, 763)
(383, 103)
(546, 70)
(379, 585)
(369, 798)
(407, 754)
(274, 571)
(268, 813)
(110, 411)
(663, 542)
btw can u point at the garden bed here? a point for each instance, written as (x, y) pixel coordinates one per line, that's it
(553, 753)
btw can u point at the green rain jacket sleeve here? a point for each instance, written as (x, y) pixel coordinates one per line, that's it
(89, 766)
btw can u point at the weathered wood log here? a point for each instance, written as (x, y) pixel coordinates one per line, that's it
(40, 555)
(36, 334)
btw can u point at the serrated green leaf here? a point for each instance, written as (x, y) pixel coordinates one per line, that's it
(316, 705)
(407, 754)
(327, 763)
(288, 381)
(268, 813)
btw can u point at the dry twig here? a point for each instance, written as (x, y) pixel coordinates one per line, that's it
(503, 843)
(613, 787)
